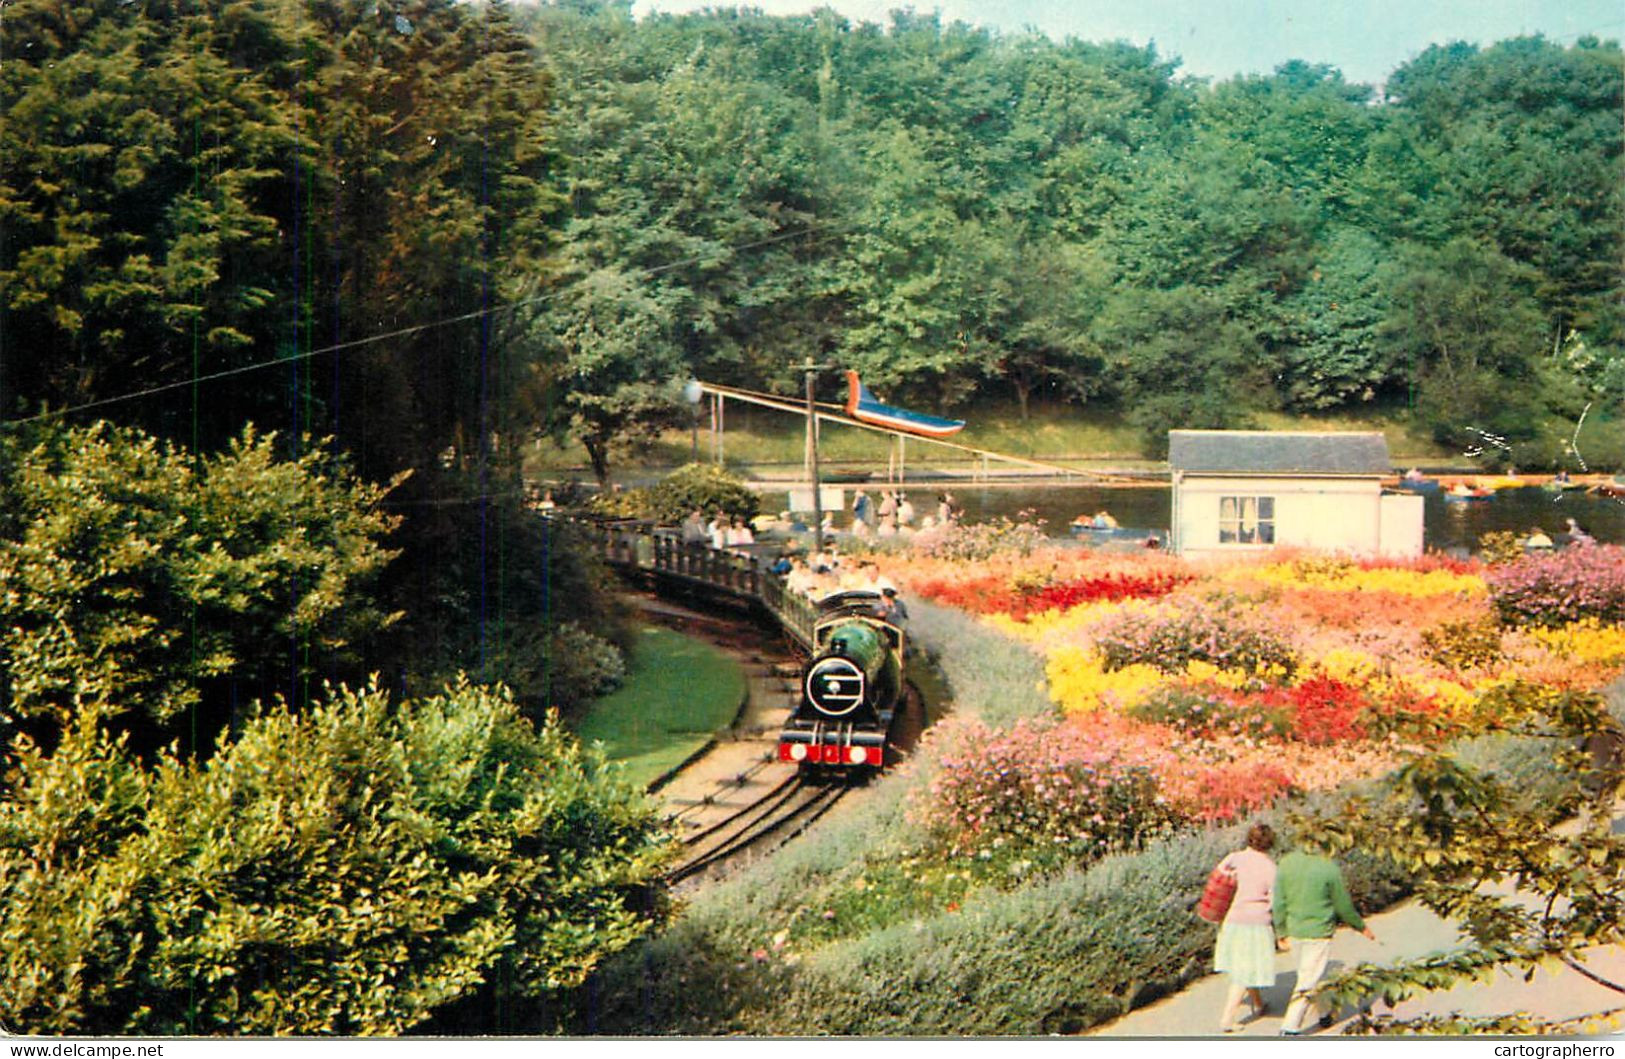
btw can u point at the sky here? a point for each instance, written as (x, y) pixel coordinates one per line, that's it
(1365, 39)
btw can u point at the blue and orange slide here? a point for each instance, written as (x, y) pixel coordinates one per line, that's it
(862, 406)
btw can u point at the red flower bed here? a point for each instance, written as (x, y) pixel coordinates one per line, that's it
(1422, 564)
(1110, 588)
(1323, 710)
(978, 595)
(997, 595)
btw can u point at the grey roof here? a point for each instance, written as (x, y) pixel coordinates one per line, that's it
(1278, 452)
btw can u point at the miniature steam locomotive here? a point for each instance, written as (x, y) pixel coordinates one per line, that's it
(851, 688)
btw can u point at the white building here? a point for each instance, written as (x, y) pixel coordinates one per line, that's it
(1252, 490)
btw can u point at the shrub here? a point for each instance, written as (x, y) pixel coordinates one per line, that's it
(1059, 957)
(541, 613)
(134, 572)
(1500, 546)
(1204, 711)
(990, 676)
(981, 540)
(581, 665)
(622, 503)
(1464, 644)
(1169, 641)
(350, 871)
(1038, 793)
(1564, 587)
(704, 486)
(695, 485)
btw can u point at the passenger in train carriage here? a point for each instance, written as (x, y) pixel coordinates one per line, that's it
(872, 579)
(801, 580)
(694, 532)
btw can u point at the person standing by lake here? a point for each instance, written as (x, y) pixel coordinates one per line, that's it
(863, 510)
(1310, 901)
(1246, 946)
(1577, 534)
(887, 508)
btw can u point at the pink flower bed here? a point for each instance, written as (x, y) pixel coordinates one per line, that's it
(1562, 587)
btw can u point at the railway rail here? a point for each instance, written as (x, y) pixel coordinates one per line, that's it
(778, 815)
(791, 802)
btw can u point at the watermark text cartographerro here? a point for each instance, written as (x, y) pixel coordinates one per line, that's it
(1554, 1051)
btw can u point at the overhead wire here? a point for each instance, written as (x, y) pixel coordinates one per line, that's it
(821, 229)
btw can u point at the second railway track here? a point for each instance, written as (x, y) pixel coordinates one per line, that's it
(770, 820)
(737, 798)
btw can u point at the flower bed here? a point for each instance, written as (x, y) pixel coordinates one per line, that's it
(1229, 684)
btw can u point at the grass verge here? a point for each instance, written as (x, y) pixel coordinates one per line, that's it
(678, 692)
(759, 437)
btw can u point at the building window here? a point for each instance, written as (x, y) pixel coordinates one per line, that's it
(1247, 520)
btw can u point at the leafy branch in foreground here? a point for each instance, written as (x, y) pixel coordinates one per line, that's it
(1533, 873)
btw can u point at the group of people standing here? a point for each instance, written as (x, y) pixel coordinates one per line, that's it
(1574, 534)
(894, 514)
(720, 532)
(1297, 904)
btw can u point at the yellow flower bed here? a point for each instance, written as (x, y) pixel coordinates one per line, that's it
(1079, 682)
(1349, 665)
(1354, 579)
(1050, 624)
(1454, 699)
(1235, 679)
(1586, 641)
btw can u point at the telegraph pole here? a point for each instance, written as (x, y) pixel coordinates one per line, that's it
(811, 370)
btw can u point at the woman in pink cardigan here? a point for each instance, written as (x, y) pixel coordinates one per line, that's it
(1246, 948)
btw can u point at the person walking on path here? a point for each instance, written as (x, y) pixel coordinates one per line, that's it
(1246, 946)
(1310, 900)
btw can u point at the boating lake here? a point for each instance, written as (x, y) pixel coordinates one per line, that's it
(1448, 526)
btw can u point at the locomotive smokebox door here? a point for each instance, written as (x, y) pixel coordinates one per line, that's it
(835, 686)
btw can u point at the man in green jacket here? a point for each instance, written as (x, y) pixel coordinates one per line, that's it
(1310, 900)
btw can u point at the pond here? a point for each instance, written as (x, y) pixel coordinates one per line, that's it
(1446, 526)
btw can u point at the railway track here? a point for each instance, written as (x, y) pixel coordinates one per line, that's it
(738, 798)
(769, 820)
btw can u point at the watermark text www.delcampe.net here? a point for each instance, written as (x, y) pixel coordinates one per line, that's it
(86, 1051)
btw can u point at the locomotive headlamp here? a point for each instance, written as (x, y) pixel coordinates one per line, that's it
(858, 755)
(798, 751)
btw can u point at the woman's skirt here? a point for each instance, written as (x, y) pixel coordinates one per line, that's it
(1246, 951)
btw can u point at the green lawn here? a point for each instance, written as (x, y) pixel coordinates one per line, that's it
(678, 692)
(758, 437)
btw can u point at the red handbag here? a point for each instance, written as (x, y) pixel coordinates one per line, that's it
(1217, 895)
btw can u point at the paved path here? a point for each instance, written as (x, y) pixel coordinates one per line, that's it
(1405, 931)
